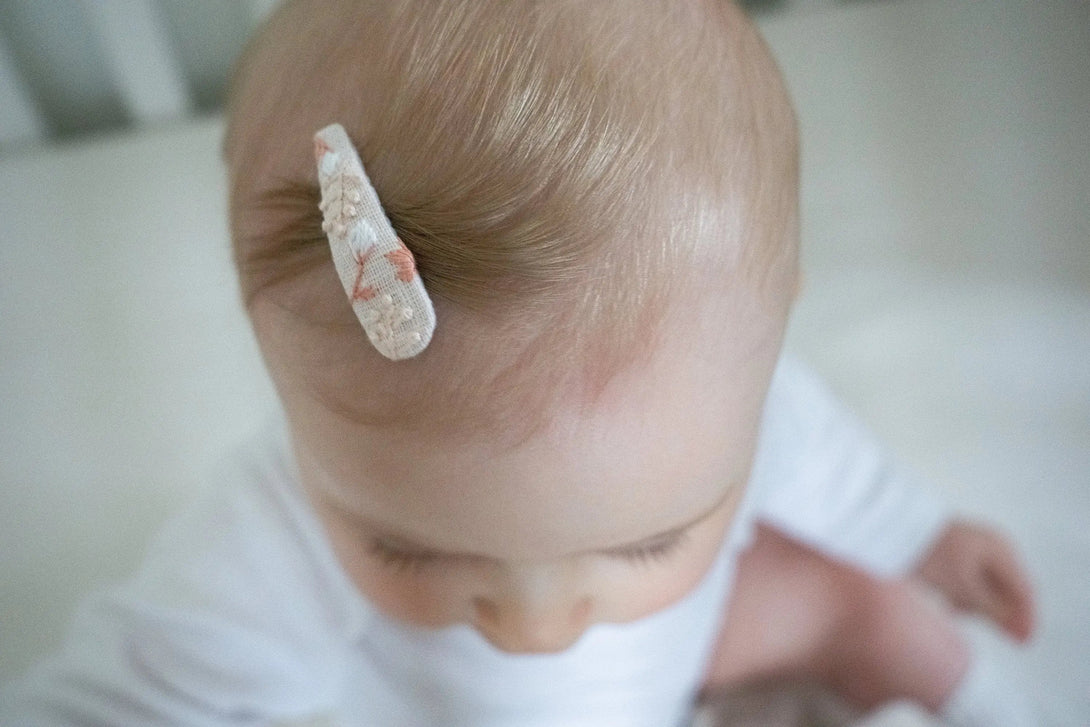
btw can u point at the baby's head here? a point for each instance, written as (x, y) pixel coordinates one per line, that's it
(601, 200)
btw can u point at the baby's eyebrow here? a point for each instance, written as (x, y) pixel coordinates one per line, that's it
(410, 546)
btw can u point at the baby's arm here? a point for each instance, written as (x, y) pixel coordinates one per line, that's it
(828, 484)
(795, 615)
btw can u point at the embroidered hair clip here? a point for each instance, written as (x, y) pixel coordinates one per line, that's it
(377, 270)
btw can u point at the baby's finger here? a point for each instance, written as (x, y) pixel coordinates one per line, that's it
(1010, 599)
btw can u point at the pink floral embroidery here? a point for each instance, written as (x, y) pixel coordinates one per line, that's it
(398, 319)
(402, 259)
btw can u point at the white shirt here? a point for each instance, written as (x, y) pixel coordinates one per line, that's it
(241, 614)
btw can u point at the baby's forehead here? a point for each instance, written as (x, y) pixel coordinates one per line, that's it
(662, 445)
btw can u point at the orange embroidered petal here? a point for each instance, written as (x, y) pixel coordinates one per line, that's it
(364, 294)
(402, 259)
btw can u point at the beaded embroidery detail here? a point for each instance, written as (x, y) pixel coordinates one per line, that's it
(385, 290)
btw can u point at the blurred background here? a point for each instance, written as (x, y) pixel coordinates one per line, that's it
(70, 69)
(946, 228)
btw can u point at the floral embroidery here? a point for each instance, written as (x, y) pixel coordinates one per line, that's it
(402, 259)
(387, 294)
(382, 324)
(339, 201)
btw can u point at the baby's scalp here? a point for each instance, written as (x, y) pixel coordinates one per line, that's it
(569, 175)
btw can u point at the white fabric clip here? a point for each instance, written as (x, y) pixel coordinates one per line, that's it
(377, 270)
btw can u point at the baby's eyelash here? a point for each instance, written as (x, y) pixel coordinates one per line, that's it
(653, 552)
(400, 561)
(403, 561)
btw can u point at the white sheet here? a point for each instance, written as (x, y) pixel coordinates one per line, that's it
(947, 229)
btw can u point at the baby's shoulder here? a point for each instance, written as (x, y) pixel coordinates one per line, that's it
(232, 611)
(248, 550)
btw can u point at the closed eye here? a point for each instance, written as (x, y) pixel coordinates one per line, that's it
(401, 561)
(655, 551)
(413, 561)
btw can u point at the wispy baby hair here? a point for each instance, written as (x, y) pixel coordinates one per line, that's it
(560, 169)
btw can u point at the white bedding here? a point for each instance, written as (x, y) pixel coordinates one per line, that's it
(946, 220)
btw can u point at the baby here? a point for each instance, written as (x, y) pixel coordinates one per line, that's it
(521, 272)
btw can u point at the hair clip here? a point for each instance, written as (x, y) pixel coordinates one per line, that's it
(376, 269)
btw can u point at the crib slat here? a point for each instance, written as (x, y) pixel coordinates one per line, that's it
(142, 61)
(20, 120)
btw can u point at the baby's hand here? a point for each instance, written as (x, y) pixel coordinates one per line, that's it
(977, 570)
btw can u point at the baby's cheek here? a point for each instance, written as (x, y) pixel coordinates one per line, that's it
(631, 591)
(419, 597)
(636, 591)
(414, 598)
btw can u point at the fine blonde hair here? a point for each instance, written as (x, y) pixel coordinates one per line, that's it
(562, 170)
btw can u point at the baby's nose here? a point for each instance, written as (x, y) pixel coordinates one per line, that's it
(519, 625)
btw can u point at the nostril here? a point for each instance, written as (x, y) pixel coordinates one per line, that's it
(485, 611)
(580, 615)
(512, 630)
